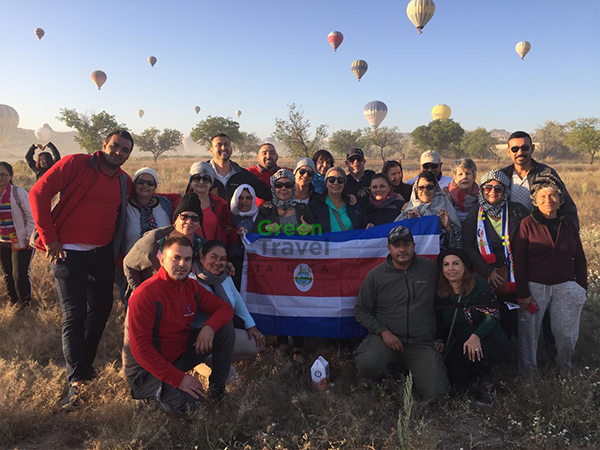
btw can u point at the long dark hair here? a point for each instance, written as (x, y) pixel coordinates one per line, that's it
(444, 289)
(48, 158)
(8, 168)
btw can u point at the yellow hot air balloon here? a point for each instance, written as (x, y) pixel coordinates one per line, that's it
(99, 78)
(420, 12)
(523, 48)
(141, 113)
(359, 67)
(152, 60)
(441, 112)
(39, 33)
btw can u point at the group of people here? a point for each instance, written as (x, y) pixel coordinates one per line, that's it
(510, 253)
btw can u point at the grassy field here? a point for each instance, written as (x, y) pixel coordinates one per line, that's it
(274, 407)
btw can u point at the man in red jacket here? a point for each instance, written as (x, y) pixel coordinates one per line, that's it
(160, 346)
(81, 237)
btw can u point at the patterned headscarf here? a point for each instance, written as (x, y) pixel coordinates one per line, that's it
(280, 204)
(502, 178)
(547, 182)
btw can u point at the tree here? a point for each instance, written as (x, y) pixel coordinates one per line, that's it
(549, 139)
(92, 128)
(388, 141)
(153, 141)
(342, 140)
(207, 128)
(295, 135)
(442, 136)
(583, 135)
(479, 143)
(248, 145)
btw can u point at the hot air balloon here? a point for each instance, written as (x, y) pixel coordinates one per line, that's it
(335, 39)
(99, 78)
(441, 112)
(141, 113)
(9, 119)
(152, 60)
(47, 126)
(420, 12)
(359, 67)
(39, 33)
(238, 113)
(523, 48)
(197, 109)
(43, 134)
(375, 112)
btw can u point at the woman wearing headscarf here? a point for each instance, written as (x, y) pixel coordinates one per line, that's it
(243, 213)
(551, 274)
(304, 171)
(489, 235)
(427, 199)
(383, 206)
(462, 189)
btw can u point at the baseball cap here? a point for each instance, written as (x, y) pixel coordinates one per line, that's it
(430, 157)
(355, 152)
(400, 233)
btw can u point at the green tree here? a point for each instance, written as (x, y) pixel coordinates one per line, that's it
(549, 139)
(479, 143)
(153, 141)
(207, 128)
(248, 145)
(294, 133)
(343, 140)
(583, 135)
(388, 141)
(92, 128)
(443, 136)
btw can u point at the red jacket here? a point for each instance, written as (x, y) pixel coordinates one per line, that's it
(158, 324)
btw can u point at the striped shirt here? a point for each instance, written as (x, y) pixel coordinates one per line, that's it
(7, 226)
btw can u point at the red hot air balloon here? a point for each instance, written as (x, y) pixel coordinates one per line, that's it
(335, 39)
(99, 78)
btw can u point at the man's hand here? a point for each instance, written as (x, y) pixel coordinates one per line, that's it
(192, 386)
(304, 228)
(399, 197)
(352, 199)
(55, 252)
(204, 340)
(392, 341)
(495, 279)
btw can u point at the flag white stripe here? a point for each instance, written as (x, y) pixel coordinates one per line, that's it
(281, 305)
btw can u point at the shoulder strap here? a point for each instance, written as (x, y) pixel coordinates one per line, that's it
(339, 219)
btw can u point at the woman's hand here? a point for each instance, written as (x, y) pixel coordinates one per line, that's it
(445, 219)
(472, 348)
(304, 228)
(272, 227)
(439, 345)
(258, 337)
(230, 269)
(524, 302)
(241, 231)
(399, 197)
(352, 199)
(495, 279)
(369, 225)
(413, 214)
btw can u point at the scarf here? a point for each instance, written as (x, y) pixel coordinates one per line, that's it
(502, 178)
(215, 282)
(236, 198)
(459, 196)
(280, 204)
(384, 202)
(7, 226)
(485, 302)
(433, 208)
(319, 182)
(147, 220)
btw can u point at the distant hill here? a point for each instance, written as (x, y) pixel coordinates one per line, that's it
(500, 134)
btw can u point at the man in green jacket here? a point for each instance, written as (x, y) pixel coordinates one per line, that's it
(395, 304)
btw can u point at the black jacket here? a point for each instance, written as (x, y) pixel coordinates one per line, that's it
(241, 176)
(320, 210)
(361, 189)
(31, 161)
(271, 215)
(379, 216)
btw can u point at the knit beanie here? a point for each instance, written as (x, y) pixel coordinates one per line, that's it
(305, 162)
(547, 182)
(189, 202)
(456, 252)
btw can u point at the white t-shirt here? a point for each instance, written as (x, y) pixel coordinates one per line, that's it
(520, 191)
(222, 178)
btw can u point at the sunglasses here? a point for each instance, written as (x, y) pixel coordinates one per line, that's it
(429, 187)
(142, 182)
(288, 185)
(185, 217)
(308, 173)
(498, 189)
(430, 166)
(524, 148)
(355, 158)
(198, 178)
(332, 180)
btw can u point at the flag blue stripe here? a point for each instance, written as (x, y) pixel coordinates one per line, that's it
(321, 327)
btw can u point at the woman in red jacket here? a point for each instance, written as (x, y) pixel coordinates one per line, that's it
(551, 274)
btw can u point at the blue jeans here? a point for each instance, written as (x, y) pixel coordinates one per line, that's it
(84, 282)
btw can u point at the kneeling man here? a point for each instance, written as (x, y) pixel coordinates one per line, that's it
(395, 304)
(160, 345)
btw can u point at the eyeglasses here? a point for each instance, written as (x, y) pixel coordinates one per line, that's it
(524, 148)
(332, 180)
(288, 185)
(308, 173)
(198, 178)
(142, 182)
(185, 217)
(430, 166)
(429, 187)
(497, 189)
(355, 158)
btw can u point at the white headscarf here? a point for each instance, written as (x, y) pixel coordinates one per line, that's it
(236, 198)
(149, 170)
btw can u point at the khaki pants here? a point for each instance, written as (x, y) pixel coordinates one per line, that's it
(374, 359)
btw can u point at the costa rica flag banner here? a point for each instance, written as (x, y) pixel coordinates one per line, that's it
(307, 285)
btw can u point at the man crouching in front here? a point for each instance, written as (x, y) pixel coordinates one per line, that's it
(160, 346)
(395, 304)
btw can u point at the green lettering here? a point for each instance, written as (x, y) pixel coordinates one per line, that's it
(261, 228)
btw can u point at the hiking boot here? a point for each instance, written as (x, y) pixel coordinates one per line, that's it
(73, 397)
(485, 394)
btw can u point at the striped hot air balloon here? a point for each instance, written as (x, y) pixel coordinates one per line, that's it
(420, 12)
(9, 120)
(335, 39)
(39, 33)
(441, 112)
(523, 48)
(197, 109)
(152, 60)
(99, 78)
(375, 112)
(238, 113)
(359, 67)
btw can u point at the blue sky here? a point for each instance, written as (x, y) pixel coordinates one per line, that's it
(259, 56)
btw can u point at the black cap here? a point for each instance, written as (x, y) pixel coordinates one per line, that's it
(355, 152)
(189, 202)
(400, 233)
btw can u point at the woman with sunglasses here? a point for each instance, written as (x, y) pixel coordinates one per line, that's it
(384, 206)
(304, 171)
(489, 232)
(393, 170)
(332, 210)
(428, 199)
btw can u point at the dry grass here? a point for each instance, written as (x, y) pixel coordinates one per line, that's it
(274, 407)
